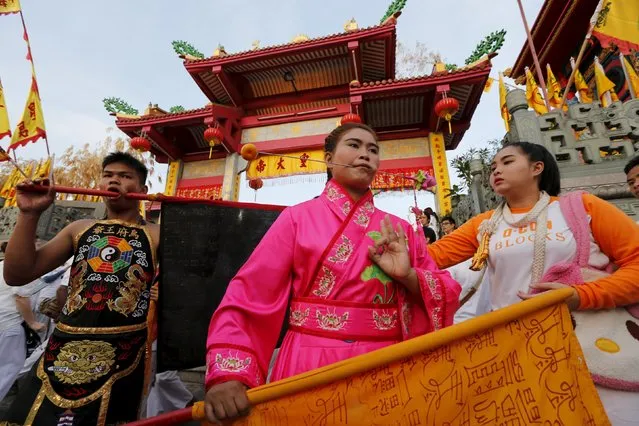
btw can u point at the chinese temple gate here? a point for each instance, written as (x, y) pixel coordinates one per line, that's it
(285, 99)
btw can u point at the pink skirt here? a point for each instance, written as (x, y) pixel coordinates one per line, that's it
(303, 352)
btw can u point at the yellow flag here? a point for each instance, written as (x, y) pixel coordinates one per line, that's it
(633, 78)
(489, 84)
(605, 87)
(617, 25)
(31, 127)
(42, 172)
(11, 199)
(9, 183)
(554, 88)
(505, 114)
(9, 6)
(5, 127)
(585, 94)
(535, 100)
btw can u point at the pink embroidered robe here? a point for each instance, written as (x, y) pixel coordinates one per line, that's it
(313, 262)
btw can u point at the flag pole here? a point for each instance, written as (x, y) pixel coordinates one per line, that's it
(33, 74)
(533, 53)
(582, 51)
(625, 74)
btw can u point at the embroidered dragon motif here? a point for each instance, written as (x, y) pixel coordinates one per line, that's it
(130, 291)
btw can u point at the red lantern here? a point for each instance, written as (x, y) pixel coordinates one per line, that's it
(213, 136)
(446, 108)
(140, 143)
(351, 118)
(256, 183)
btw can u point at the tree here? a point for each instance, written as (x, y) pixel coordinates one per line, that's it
(82, 167)
(461, 163)
(414, 62)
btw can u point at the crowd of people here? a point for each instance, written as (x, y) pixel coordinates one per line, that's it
(346, 278)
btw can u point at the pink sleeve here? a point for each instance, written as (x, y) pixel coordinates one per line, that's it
(439, 291)
(244, 329)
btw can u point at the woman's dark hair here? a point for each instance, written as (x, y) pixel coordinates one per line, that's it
(330, 143)
(430, 234)
(550, 179)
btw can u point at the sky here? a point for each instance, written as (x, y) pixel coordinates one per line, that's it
(85, 51)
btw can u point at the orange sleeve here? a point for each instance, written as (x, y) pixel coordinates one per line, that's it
(618, 238)
(460, 245)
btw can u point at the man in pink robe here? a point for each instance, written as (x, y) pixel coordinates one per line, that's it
(320, 261)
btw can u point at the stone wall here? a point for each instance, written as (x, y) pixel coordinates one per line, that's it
(56, 217)
(592, 144)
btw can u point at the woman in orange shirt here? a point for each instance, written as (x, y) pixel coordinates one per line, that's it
(522, 239)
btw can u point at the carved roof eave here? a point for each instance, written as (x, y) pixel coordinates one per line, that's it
(197, 65)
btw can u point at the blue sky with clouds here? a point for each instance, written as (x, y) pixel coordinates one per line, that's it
(87, 50)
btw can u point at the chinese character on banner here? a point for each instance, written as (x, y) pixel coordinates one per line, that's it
(303, 159)
(9, 6)
(280, 164)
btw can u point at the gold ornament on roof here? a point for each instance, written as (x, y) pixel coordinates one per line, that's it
(255, 45)
(300, 38)
(219, 51)
(351, 25)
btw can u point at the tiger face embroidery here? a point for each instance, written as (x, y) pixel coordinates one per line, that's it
(83, 361)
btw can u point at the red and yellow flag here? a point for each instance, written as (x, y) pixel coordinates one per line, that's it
(585, 94)
(489, 84)
(31, 127)
(9, 6)
(605, 87)
(633, 78)
(5, 127)
(535, 100)
(11, 198)
(9, 183)
(554, 88)
(505, 114)
(617, 25)
(43, 170)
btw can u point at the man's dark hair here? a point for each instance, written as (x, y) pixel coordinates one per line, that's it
(631, 164)
(128, 160)
(450, 219)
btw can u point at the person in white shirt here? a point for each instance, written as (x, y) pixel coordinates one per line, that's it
(12, 335)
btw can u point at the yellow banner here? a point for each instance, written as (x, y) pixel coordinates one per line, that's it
(9, 6)
(440, 166)
(505, 114)
(489, 84)
(535, 100)
(9, 183)
(554, 88)
(633, 79)
(520, 365)
(11, 198)
(585, 94)
(31, 127)
(5, 127)
(617, 25)
(605, 87)
(294, 163)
